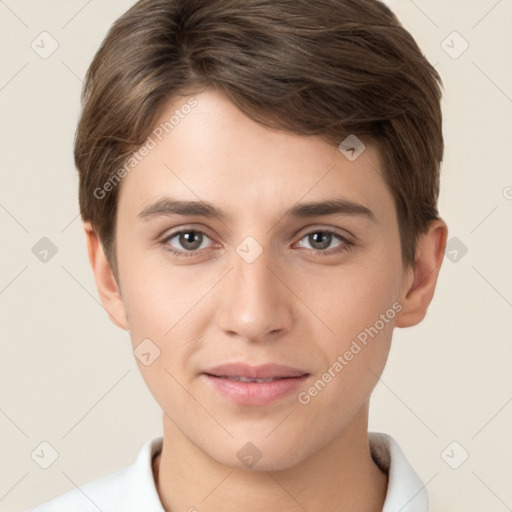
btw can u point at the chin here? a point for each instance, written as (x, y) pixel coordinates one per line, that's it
(260, 455)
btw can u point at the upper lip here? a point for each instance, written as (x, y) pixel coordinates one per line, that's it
(262, 371)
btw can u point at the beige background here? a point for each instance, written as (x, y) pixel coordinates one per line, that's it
(67, 375)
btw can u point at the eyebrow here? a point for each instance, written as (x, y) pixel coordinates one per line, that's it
(167, 207)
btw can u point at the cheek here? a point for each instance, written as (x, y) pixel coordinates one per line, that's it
(361, 313)
(159, 297)
(168, 312)
(351, 298)
(357, 304)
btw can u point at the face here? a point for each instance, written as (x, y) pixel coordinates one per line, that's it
(288, 271)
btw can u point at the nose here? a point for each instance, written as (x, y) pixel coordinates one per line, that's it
(255, 304)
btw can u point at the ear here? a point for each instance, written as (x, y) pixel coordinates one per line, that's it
(421, 279)
(108, 289)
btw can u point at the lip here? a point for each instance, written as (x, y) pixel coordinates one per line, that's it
(261, 371)
(280, 381)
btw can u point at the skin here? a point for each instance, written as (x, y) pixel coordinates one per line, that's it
(292, 305)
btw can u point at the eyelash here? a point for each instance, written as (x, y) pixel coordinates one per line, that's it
(344, 246)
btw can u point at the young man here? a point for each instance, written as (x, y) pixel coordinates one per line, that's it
(258, 185)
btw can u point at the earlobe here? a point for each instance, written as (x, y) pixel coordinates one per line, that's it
(108, 289)
(421, 280)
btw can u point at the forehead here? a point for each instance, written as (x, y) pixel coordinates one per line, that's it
(204, 148)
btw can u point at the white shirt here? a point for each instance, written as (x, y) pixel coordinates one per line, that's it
(132, 489)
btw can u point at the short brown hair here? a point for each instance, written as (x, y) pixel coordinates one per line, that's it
(329, 68)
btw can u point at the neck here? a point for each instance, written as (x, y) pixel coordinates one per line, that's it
(341, 476)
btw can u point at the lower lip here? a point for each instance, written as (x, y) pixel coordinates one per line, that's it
(256, 393)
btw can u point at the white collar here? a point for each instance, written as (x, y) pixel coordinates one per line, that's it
(132, 489)
(406, 492)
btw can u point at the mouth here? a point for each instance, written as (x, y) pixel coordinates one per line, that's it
(248, 379)
(255, 385)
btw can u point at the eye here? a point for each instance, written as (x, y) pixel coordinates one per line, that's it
(189, 242)
(321, 241)
(186, 241)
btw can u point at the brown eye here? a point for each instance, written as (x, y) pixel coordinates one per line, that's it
(320, 240)
(190, 240)
(187, 240)
(324, 242)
